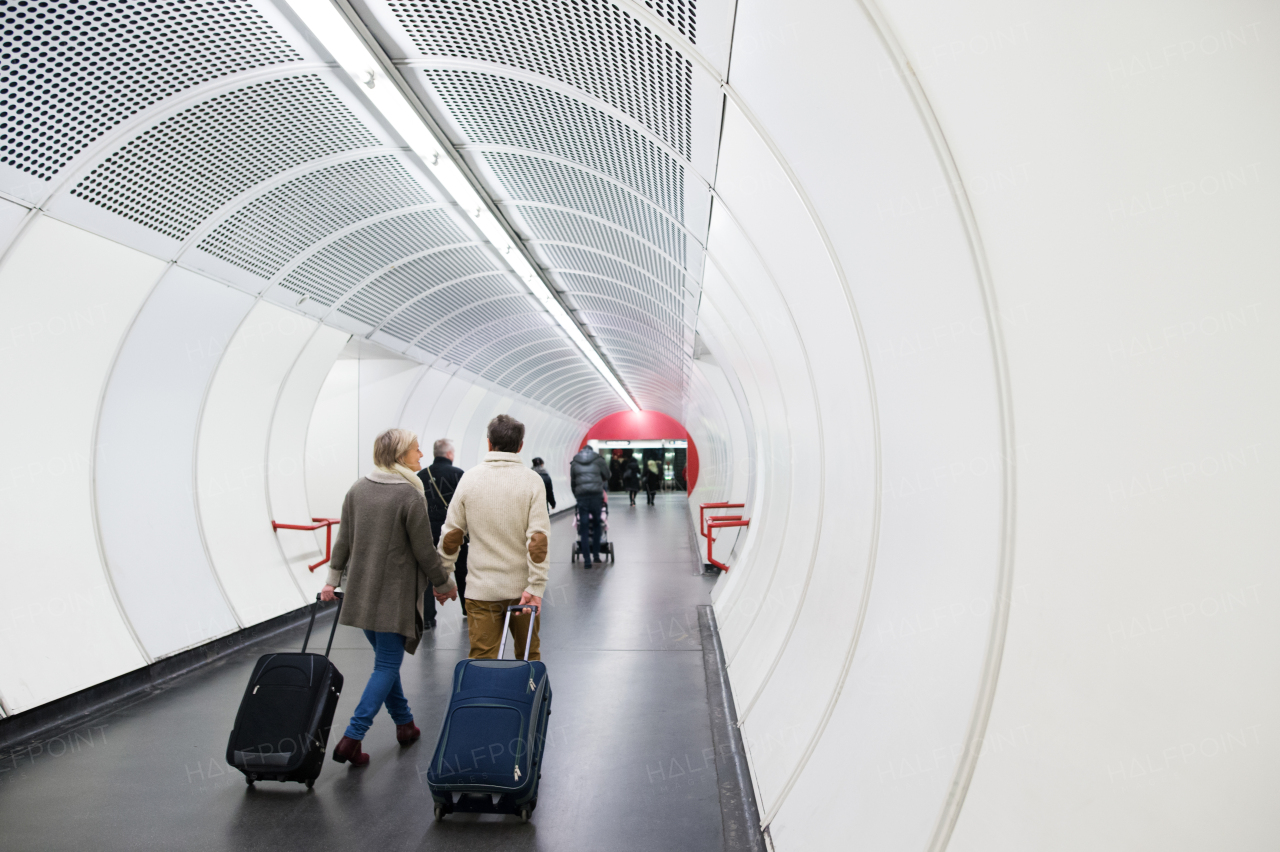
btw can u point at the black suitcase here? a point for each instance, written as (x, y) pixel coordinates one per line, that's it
(489, 756)
(282, 728)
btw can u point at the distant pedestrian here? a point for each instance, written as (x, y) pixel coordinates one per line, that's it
(541, 470)
(439, 481)
(652, 479)
(631, 478)
(589, 476)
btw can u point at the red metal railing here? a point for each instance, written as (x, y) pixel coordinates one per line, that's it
(327, 523)
(702, 514)
(716, 524)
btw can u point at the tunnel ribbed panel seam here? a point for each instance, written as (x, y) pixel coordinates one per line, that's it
(265, 234)
(493, 110)
(384, 294)
(333, 270)
(527, 178)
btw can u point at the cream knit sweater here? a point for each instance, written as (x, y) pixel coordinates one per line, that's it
(501, 504)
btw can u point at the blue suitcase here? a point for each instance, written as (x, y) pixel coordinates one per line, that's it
(489, 756)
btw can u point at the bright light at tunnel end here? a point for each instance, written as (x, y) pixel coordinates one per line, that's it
(335, 33)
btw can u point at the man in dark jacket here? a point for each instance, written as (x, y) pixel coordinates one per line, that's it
(541, 470)
(589, 476)
(439, 481)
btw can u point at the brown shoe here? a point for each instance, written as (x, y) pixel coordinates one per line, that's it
(348, 749)
(407, 734)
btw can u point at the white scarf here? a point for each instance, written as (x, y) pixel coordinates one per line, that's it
(395, 475)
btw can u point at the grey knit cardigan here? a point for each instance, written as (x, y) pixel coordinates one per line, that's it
(385, 549)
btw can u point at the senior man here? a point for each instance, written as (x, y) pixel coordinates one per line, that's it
(501, 505)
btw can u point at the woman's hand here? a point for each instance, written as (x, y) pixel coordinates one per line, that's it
(326, 594)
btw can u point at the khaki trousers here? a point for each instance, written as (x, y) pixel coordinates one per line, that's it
(484, 624)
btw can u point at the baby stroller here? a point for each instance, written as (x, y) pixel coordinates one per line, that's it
(606, 546)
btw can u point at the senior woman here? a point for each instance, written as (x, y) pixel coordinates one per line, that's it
(386, 551)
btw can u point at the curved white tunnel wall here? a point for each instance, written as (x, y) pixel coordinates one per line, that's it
(289, 454)
(1130, 310)
(232, 461)
(74, 295)
(146, 459)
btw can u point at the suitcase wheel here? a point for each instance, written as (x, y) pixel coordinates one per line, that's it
(440, 812)
(249, 779)
(524, 814)
(311, 782)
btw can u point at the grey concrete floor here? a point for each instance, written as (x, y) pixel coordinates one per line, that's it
(629, 761)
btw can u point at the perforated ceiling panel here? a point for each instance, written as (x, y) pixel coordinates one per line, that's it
(589, 44)
(175, 174)
(679, 13)
(337, 267)
(500, 111)
(262, 236)
(550, 224)
(534, 179)
(379, 298)
(460, 349)
(648, 293)
(72, 71)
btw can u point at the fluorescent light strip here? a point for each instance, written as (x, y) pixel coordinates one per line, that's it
(336, 34)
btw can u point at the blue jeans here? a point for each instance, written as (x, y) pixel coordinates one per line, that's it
(383, 686)
(590, 506)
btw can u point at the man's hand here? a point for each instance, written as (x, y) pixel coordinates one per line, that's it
(526, 599)
(447, 596)
(326, 594)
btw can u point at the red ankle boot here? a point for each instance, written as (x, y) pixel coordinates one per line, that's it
(348, 749)
(407, 734)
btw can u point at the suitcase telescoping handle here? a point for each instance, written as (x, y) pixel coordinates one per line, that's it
(312, 623)
(506, 622)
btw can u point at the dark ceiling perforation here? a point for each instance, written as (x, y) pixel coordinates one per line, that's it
(173, 176)
(413, 311)
(664, 323)
(579, 381)
(69, 72)
(563, 257)
(631, 349)
(350, 259)
(487, 335)
(264, 235)
(560, 388)
(565, 226)
(590, 44)
(458, 337)
(680, 14)
(494, 110)
(612, 317)
(529, 374)
(528, 178)
(373, 302)
(410, 323)
(552, 379)
(531, 348)
(499, 346)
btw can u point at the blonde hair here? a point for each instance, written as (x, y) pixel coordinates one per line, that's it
(390, 447)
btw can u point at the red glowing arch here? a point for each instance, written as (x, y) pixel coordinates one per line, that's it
(645, 426)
